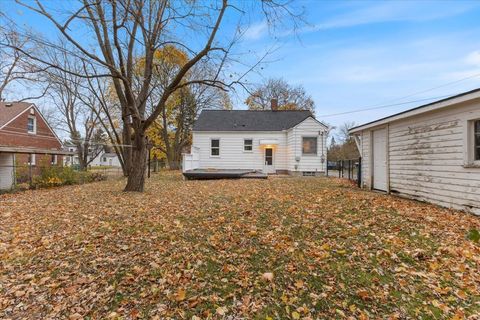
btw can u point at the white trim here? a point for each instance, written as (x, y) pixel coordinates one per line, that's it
(33, 159)
(219, 147)
(419, 110)
(247, 151)
(18, 115)
(310, 117)
(316, 149)
(469, 143)
(34, 118)
(41, 116)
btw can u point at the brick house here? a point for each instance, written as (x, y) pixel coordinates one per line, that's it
(26, 140)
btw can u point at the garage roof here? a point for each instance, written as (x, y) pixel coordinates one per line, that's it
(462, 97)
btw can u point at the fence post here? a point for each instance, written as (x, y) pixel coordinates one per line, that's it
(30, 178)
(359, 172)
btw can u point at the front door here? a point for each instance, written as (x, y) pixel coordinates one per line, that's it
(269, 161)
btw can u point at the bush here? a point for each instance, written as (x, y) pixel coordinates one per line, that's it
(53, 176)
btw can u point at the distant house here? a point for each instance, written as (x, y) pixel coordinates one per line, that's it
(25, 139)
(102, 157)
(290, 142)
(430, 153)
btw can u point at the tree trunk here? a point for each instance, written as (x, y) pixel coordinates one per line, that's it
(138, 164)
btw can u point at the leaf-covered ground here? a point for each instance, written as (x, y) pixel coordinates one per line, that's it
(298, 248)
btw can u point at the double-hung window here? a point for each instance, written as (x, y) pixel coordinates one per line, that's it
(31, 125)
(215, 147)
(309, 145)
(247, 145)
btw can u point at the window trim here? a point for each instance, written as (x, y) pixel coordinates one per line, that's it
(34, 131)
(55, 159)
(244, 145)
(31, 161)
(469, 144)
(211, 148)
(316, 147)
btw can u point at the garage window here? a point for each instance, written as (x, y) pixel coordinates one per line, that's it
(476, 140)
(309, 145)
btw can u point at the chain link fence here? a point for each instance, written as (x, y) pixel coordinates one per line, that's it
(350, 169)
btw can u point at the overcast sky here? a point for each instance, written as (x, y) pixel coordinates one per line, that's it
(353, 54)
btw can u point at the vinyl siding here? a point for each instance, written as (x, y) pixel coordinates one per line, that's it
(307, 128)
(232, 155)
(427, 158)
(289, 146)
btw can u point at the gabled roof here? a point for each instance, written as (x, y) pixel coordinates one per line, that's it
(10, 110)
(249, 120)
(443, 103)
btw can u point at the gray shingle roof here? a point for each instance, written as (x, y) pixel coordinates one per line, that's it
(249, 120)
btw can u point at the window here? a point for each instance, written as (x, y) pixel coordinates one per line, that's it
(31, 159)
(476, 142)
(309, 145)
(215, 147)
(104, 159)
(31, 125)
(247, 145)
(54, 159)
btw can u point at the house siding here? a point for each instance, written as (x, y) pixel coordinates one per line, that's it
(427, 158)
(232, 155)
(288, 148)
(307, 128)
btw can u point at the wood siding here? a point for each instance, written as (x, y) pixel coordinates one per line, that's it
(427, 158)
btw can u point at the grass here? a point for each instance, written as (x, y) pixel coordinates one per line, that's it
(200, 249)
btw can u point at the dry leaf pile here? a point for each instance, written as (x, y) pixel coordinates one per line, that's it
(282, 248)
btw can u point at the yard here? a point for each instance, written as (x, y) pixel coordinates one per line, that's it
(298, 248)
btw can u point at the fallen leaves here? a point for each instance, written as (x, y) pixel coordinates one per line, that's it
(267, 276)
(270, 249)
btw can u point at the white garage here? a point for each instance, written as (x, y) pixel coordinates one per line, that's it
(7, 171)
(429, 153)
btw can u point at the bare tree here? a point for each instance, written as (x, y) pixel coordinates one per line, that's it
(78, 114)
(15, 68)
(288, 97)
(117, 33)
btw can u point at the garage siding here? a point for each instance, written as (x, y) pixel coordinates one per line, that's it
(427, 160)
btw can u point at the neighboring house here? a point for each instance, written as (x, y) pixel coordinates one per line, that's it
(25, 139)
(292, 142)
(429, 153)
(103, 158)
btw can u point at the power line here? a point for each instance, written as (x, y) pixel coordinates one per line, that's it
(383, 106)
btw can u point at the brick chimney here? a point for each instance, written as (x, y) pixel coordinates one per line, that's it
(274, 104)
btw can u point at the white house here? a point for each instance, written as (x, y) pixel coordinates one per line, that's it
(101, 158)
(429, 153)
(292, 142)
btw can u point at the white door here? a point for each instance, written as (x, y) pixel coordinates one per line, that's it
(7, 171)
(380, 159)
(269, 161)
